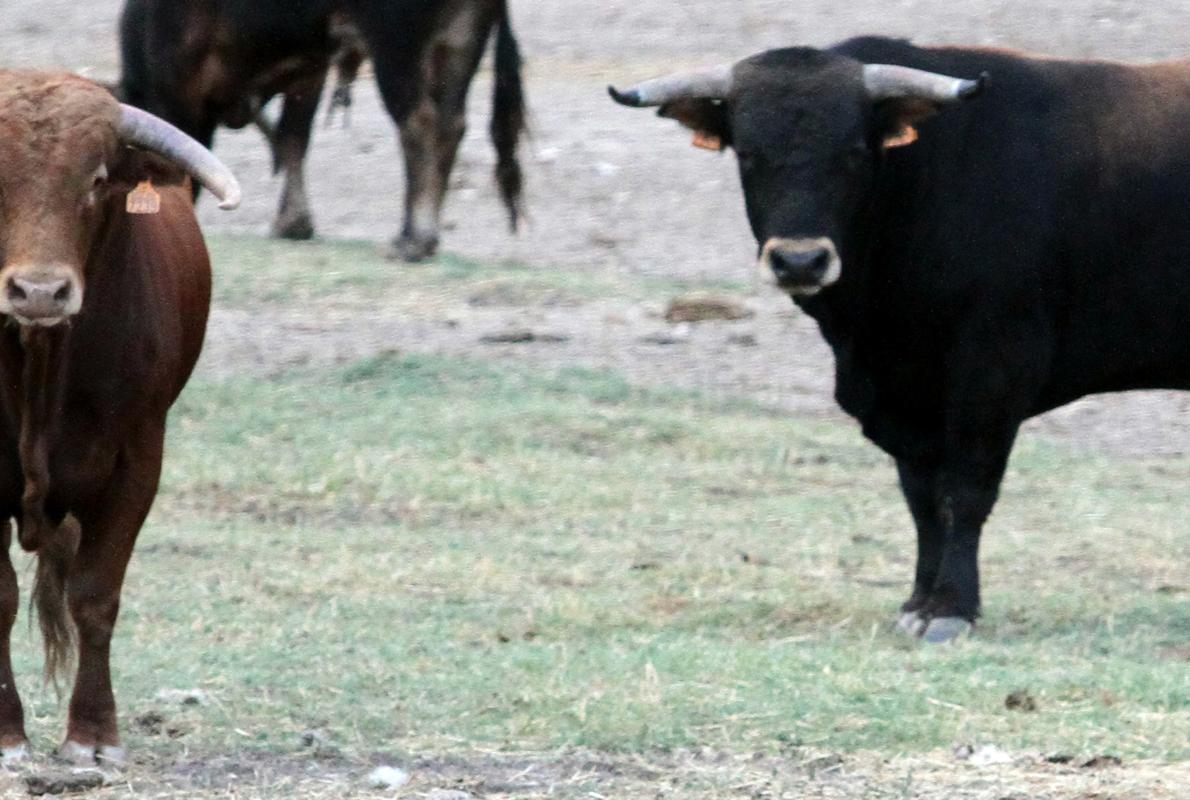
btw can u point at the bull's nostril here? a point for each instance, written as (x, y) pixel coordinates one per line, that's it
(784, 265)
(63, 293)
(800, 266)
(819, 263)
(15, 292)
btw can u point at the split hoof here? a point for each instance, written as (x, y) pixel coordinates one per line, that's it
(910, 622)
(412, 250)
(946, 629)
(297, 229)
(14, 754)
(83, 755)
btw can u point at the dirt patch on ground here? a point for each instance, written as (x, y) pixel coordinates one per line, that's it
(695, 774)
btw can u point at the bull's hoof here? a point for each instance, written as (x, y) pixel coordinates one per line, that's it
(297, 229)
(911, 623)
(945, 629)
(412, 250)
(84, 755)
(13, 754)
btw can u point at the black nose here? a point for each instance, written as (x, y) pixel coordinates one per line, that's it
(800, 267)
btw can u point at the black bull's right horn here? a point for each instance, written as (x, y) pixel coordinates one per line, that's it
(712, 83)
(881, 82)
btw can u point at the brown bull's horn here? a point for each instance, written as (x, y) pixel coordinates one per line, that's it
(711, 83)
(888, 81)
(142, 129)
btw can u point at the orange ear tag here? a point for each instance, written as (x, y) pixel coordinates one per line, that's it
(143, 199)
(707, 141)
(905, 136)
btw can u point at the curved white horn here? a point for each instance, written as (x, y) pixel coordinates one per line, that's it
(711, 83)
(140, 128)
(888, 81)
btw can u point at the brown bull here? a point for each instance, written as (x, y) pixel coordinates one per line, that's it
(106, 312)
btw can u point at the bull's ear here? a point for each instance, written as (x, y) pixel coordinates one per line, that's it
(134, 166)
(897, 120)
(707, 118)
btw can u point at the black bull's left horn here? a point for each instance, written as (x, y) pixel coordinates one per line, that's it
(140, 128)
(888, 82)
(881, 82)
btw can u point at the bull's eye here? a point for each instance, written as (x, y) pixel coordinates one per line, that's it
(98, 184)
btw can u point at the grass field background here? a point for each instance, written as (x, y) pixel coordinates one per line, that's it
(413, 554)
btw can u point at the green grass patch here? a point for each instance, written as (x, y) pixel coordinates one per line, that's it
(418, 552)
(251, 272)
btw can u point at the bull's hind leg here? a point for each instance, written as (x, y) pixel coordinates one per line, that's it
(109, 531)
(294, 220)
(12, 715)
(453, 62)
(431, 134)
(419, 230)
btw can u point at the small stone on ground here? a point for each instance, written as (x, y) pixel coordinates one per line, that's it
(387, 778)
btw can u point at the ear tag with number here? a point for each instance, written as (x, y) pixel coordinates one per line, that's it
(707, 141)
(143, 199)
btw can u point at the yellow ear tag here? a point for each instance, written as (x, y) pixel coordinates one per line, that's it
(707, 141)
(143, 199)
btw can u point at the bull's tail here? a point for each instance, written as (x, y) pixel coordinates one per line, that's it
(135, 74)
(55, 554)
(508, 116)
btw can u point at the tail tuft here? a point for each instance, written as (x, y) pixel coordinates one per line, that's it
(54, 558)
(508, 117)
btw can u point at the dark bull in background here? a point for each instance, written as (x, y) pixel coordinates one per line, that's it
(208, 63)
(974, 254)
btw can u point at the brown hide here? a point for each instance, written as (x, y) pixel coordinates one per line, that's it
(85, 401)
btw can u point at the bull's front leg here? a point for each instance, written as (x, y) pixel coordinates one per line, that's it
(290, 144)
(109, 531)
(978, 444)
(919, 485)
(12, 715)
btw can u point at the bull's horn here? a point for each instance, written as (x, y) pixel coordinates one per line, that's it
(711, 83)
(888, 81)
(142, 129)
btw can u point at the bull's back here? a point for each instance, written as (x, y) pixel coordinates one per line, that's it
(1062, 195)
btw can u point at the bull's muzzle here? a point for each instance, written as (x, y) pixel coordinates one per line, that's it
(801, 267)
(42, 296)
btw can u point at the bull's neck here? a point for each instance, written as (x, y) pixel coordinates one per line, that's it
(34, 365)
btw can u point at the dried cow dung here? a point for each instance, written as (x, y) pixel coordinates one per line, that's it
(704, 306)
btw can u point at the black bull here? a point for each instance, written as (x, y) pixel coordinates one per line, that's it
(973, 258)
(207, 63)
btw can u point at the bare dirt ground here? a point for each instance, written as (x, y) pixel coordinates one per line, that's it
(613, 190)
(571, 774)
